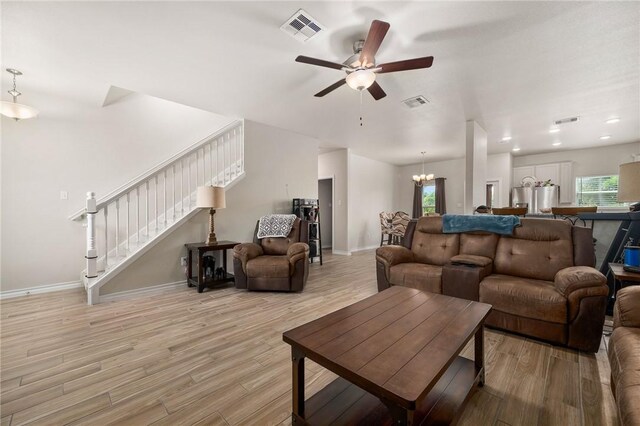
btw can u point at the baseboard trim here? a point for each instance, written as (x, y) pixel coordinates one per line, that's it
(355, 250)
(129, 294)
(341, 252)
(48, 288)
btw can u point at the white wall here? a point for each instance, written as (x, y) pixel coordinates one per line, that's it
(475, 167)
(280, 165)
(586, 162)
(499, 168)
(371, 190)
(336, 164)
(452, 170)
(86, 147)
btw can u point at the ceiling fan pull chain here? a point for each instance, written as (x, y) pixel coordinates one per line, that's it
(361, 108)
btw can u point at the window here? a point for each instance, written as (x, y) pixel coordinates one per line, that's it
(429, 198)
(601, 191)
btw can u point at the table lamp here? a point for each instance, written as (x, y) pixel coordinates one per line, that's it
(629, 184)
(212, 198)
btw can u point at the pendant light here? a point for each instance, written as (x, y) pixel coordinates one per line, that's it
(14, 109)
(422, 179)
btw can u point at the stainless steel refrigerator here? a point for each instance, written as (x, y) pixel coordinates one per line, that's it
(536, 198)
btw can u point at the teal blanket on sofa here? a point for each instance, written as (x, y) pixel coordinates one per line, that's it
(454, 223)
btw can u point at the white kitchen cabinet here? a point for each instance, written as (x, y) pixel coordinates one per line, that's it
(521, 172)
(560, 174)
(544, 172)
(567, 183)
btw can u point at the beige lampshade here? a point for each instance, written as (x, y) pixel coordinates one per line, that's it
(629, 182)
(210, 197)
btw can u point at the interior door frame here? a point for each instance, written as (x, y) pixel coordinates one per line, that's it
(333, 203)
(499, 197)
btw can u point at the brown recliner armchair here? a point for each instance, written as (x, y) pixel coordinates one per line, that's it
(274, 264)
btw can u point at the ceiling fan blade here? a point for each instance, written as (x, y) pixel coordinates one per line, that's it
(409, 64)
(331, 88)
(319, 62)
(372, 43)
(376, 91)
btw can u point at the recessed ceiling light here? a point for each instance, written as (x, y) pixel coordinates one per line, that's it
(605, 137)
(516, 149)
(556, 143)
(506, 139)
(554, 130)
(612, 120)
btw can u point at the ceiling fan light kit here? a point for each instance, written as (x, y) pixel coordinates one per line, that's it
(362, 67)
(14, 109)
(361, 79)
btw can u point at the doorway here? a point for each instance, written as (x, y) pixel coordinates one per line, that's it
(493, 193)
(325, 197)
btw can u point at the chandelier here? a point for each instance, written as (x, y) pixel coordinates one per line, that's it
(422, 179)
(14, 109)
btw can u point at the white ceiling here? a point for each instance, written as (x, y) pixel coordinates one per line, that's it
(512, 66)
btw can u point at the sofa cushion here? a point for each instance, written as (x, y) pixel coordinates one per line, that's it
(624, 351)
(524, 297)
(268, 267)
(418, 276)
(430, 245)
(479, 244)
(538, 249)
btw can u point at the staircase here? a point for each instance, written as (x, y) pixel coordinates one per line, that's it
(126, 223)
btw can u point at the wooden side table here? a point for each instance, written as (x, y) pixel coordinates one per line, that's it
(199, 280)
(623, 276)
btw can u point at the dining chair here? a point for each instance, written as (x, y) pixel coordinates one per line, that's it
(386, 227)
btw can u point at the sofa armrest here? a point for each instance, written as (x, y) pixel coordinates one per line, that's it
(245, 252)
(626, 311)
(461, 277)
(297, 251)
(386, 257)
(569, 280)
(394, 255)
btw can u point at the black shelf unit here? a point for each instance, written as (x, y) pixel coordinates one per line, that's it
(629, 229)
(309, 210)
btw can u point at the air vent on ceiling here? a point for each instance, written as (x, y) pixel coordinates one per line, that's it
(302, 26)
(566, 120)
(416, 101)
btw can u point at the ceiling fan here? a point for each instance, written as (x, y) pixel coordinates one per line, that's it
(361, 68)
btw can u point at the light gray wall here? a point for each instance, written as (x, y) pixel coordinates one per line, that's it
(325, 192)
(586, 162)
(336, 164)
(499, 167)
(452, 170)
(88, 148)
(371, 191)
(280, 165)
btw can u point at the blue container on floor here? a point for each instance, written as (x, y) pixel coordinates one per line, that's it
(632, 256)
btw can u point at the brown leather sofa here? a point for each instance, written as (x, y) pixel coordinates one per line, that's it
(274, 264)
(624, 355)
(540, 281)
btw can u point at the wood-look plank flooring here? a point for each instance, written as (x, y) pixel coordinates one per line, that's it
(217, 358)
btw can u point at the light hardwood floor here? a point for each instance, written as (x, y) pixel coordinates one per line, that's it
(217, 358)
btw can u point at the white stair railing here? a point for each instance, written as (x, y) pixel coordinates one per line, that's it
(131, 217)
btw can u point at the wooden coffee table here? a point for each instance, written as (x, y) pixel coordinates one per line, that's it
(397, 357)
